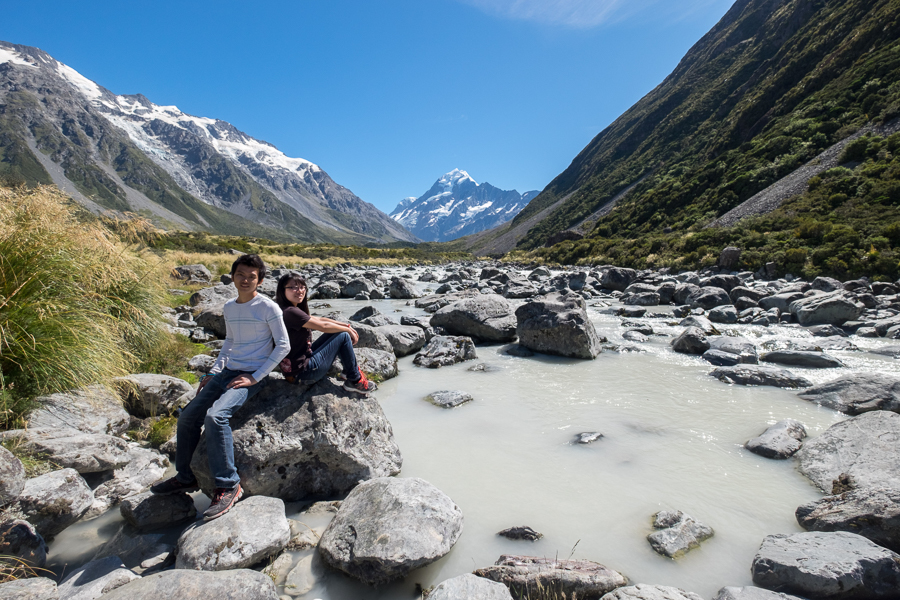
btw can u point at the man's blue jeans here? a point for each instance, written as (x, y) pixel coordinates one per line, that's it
(212, 408)
(324, 350)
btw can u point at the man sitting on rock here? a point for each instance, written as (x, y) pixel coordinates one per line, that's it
(255, 341)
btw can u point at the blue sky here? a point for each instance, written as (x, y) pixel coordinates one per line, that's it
(385, 95)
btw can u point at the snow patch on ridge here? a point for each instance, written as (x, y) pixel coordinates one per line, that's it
(8, 55)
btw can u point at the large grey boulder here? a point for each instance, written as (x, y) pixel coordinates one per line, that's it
(92, 580)
(864, 447)
(780, 301)
(677, 533)
(370, 337)
(780, 440)
(212, 318)
(360, 285)
(404, 339)
(374, 362)
(402, 289)
(617, 278)
(833, 565)
(94, 409)
(707, 297)
(218, 294)
(469, 587)
(724, 314)
(293, 441)
(760, 375)
(642, 591)
(873, 513)
(326, 290)
(690, 341)
(144, 468)
(70, 448)
(740, 346)
(147, 511)
(750, 592)
(12, 477)
(574, 578)
(388, 527)
(445, 350)
(35, 588)
(19, 538)
(701, 323)
(239, 584)
(801, 358)
(558, 324)
(831, 308)
(152, 395)
(192, 273)
(857, 393)
(53, 501)
(487, 318)
(251, 531)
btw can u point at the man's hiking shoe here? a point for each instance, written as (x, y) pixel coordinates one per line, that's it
(173, 486)
(363, 386)
(223, 500)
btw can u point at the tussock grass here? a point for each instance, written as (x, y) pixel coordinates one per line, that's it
(76, 305)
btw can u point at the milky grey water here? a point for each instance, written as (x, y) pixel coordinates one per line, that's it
(672, 439)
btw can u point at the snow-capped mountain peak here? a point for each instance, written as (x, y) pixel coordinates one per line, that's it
(454, 178)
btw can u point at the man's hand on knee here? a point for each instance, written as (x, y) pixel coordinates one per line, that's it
(241, 382)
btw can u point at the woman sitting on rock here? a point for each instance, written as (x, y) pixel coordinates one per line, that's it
(309, 361)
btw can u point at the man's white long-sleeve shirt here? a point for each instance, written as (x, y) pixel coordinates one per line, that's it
(255, 340)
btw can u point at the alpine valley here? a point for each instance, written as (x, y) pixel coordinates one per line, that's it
(456, 206)
(124, 153)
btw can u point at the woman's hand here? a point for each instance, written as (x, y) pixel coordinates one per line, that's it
(354, 337)
(241, 382)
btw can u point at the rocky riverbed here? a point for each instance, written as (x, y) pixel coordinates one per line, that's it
(673, 436)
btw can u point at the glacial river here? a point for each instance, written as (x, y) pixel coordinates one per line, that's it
(672, 439)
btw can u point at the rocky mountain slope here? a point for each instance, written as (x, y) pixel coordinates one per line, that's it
(770, 87)
(456, 206)
(125, 153)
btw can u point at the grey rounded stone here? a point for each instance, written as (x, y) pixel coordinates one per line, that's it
(750, 592)
(864, 447)
(388, 527)
(470, 587)
(144, 468)
(53, 501)
(873, 513)
(445, 350)
(192, 273)
(701, 323)
(799, 358)
(92, 580)
(760, 375)
(724, 314)
(781, 440)
(374, 362)
(643, 591)
(690, 341)
(720, 358)
(151, 395)
(212, 318)
(238, 584)
(12, 477)
(707, 297)
(834, 565)
(369, 337)
(487, 318)
(677, 533)
(558, 324)
(293, 441)
(449, 399)
(217, 294)
(34, 588)
(857, 393)
(147, 511)
(70, 448)
(94, 409)
(402, 289)
(826, 309)
(251, 531)
(404, 339)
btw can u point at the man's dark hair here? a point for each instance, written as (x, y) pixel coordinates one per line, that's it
(250, 260)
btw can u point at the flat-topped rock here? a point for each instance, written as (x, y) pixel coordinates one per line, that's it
(252, 530)
(750, 592)
(864, 447)
(34, 588)
(857, 393)
(833, 308)
(388, 527)
(152, 395)
(94, 409)
(53, 501)
(760, 375)
(70, 448)
(445, 350)
(487, 318)
(448, 399)
(677, 533)
(833, 565)
(558, 324)
(798, 358)
(404, 339)
(238, 584)
(873, 513)
(575, 578)
(780, 440)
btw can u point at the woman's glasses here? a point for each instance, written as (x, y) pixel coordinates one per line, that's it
(295, 288)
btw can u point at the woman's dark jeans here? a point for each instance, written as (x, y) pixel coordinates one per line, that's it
(324, 350)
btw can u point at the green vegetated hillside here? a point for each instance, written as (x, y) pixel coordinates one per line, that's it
(770, 87)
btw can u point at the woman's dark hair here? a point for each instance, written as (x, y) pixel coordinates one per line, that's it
(281, 297)
(250, 260)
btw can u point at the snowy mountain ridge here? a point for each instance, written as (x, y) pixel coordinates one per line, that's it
(456, 205)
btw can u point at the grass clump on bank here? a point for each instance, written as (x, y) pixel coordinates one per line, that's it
(76, 306)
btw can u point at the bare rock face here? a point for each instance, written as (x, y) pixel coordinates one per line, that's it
(251, 531)
(855, 394)
(95, 409)
(486, 318)
(12, 477)
(864, 447)
(35, 588)
(829, 565)
(371, 361)
(388, 527)
(238, 584)
(575, 578)
(873, 513)
(558, 324)
(54, 501)
(643, 591)
(144, 468)
(677, 533)
(781, 440)
(293, 441)
(470, 587)
(445, 350)
(151, 395)
(70, 448)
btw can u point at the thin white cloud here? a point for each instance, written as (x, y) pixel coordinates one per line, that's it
(582, 14)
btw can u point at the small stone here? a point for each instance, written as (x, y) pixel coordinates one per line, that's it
(587, 437)
(678, 533)
(448, 399)
(521, 533)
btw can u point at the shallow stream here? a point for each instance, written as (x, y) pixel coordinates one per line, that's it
(672, 439)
